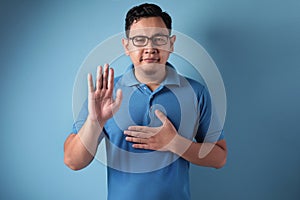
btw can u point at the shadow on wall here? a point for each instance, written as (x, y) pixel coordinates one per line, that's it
(258, 61)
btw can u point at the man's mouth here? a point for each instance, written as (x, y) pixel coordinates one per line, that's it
(150, 60)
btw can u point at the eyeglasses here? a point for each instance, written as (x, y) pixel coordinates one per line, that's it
(141, 41)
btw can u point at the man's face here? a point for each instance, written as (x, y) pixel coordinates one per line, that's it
(145, 52)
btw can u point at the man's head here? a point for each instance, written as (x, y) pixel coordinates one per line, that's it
(144, 11)
(148, 41)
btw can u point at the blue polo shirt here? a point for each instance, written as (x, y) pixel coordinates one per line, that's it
(144, 174)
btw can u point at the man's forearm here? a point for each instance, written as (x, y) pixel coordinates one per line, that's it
(203, 154)
(80, 148)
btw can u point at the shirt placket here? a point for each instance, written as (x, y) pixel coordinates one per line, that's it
(149, 104)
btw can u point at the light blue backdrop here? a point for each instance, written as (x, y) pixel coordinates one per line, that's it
(255, 44)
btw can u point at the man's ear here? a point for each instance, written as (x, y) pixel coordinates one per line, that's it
(125, 43)
(172, 41)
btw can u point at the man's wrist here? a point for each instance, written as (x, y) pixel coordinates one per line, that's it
(95, 123)
(179, 145)
(94, 126)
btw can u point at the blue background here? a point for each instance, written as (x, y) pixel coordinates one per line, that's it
(255, 44)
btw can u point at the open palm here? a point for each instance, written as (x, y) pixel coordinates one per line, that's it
(101, 104)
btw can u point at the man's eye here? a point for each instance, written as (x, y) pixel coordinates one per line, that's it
(159, 39)
(140, 40)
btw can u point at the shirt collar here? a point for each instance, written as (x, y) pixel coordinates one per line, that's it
(172, 77)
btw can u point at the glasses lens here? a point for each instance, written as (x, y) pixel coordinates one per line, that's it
(140, 41)
(160, 40)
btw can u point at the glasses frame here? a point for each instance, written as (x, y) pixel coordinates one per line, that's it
(149, 38)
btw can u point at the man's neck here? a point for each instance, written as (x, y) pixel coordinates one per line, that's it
(152, 78)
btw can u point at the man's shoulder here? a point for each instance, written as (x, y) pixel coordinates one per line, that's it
(122, 79)
(196, 85)
(117, 79)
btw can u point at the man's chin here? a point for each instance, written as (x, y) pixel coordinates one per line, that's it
(153, 65)
(150, 68)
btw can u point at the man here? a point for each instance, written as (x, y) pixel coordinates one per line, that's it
(155, 122)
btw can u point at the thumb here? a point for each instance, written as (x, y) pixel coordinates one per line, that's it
(90, 83)
(118, 99)
(161, 116)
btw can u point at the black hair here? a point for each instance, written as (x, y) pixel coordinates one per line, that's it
(146, 10)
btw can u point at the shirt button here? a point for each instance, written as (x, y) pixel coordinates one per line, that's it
(145, 88)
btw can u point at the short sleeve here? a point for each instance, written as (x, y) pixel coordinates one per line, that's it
(209, 128)
(81, 118)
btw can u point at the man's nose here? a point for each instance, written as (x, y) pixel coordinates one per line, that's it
(150, 50)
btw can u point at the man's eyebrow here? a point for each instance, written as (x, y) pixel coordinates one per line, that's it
(160, 33)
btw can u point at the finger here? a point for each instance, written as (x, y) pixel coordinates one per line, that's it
(111, 81)
(141, 146)
(105, 76)
(90, 83)
(144, 129)
(161, 116)
(99, 78)
(136, 140)
(137, 134)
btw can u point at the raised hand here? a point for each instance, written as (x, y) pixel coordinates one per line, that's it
(101, 105)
